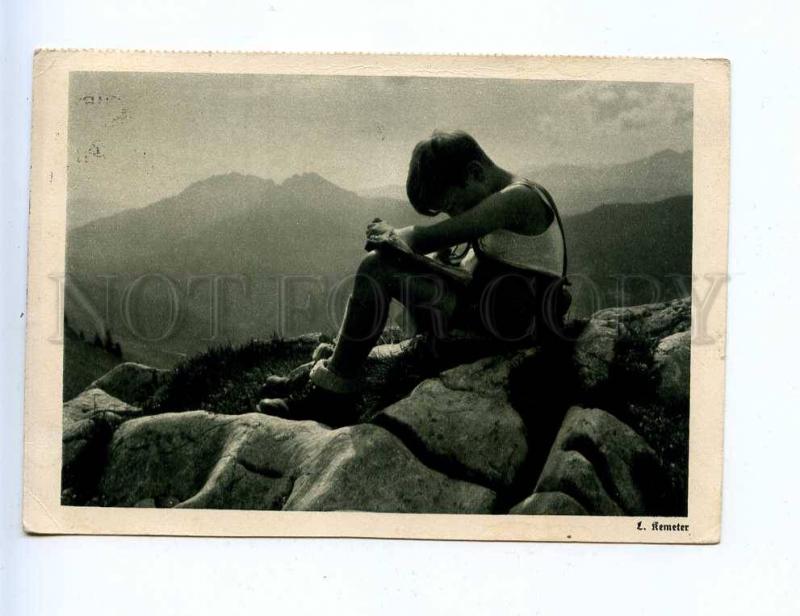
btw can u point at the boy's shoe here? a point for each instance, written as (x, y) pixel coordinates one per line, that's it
(281, 386)
(325, 397)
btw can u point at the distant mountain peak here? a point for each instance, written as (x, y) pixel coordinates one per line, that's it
(311, 181)
(669, 153)
(308, 177)
(227, 180)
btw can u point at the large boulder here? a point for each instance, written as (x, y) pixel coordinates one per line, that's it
(549, 503)
(463, 424)
(635, 363)
(393, 370)
(89, 420)
(131, 382)
(201, 460)
(601, 464)
(610, 333)
(93, 401)
(366, 468)
(672, 359)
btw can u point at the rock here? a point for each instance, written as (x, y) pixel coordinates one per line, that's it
(650, 320)
(93, 401)
(366, 468)
(572, 473)
(88, 423)
(487, 377)
(131, 382)
(462, 423)
(635, 363)
(598, 347)
(672, 363)
(168, 454)
(594, 353)
(255, 461)
(604, 465)
(393, 370)
(549, 503)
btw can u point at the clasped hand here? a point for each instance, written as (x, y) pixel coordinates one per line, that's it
(379, 230)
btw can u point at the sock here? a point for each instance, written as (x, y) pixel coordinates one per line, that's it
(322, 376)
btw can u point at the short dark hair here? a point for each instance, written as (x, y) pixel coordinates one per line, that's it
(437, 163)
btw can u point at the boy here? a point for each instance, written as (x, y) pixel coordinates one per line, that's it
(516, 261)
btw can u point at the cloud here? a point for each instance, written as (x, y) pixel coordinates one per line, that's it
(358, 131)
(625, 106)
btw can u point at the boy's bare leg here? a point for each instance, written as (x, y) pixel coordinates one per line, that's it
(327, 395)
(378, 281)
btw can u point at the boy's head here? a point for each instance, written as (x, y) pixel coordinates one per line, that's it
(447, 171)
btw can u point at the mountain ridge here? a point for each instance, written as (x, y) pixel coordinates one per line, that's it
(307, 226)
(579, 188)
(396, 192)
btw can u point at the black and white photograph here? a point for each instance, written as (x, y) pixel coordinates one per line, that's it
(395, 294)
(399, 308)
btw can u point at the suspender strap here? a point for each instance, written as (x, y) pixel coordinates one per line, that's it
(548, 199)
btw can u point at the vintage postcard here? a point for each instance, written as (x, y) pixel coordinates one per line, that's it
(440, 297)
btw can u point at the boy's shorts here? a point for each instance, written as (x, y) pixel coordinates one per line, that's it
(501, 301)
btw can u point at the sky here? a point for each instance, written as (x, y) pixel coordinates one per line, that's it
(135, 138)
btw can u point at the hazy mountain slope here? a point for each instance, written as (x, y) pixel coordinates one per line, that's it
(578, 189)
(83, 361)
(642, 239)
(389, 191)
(82, 211)
(235, 223)
(307, 226)
(131, 238)
(231, 225)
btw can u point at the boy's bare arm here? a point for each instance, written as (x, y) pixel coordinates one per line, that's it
(515, 209)
(442, 254)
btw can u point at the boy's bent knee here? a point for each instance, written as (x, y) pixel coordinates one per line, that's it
(374, 264)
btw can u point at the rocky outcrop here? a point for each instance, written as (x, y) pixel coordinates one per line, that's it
(131, 382)
(461, 425)
(610, 333)
(599, 466)
(549, 503)
(671, 359)
(634, 363)
(88, 423)
(259, 462)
